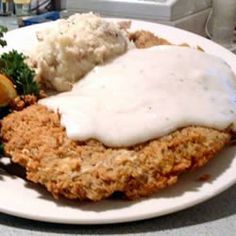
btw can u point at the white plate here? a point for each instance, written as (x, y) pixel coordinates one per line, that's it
(23, 199)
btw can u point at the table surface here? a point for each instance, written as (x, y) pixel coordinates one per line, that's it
(214, 217)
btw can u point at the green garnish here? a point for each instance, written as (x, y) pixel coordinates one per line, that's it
(3, 30)
(1, 149)
(12, 64)
(3, 43)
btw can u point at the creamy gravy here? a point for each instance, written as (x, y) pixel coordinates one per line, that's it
(147, 93)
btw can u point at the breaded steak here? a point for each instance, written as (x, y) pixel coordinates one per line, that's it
(35, 139)
(146, 39)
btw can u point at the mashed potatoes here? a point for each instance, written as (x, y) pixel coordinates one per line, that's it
(72, 47)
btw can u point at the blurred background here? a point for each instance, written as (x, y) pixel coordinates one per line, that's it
(214, 19)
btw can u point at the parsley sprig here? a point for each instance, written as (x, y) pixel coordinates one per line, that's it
(13, 65)
(3, 30)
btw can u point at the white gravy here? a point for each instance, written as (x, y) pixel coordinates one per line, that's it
(147, 93)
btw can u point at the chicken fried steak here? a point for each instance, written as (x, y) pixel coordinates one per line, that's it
(35, 139)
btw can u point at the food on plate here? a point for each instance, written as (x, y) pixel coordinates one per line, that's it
(16, 78)
(18, 88)
(148, 93)
(12, 64)
(35, 139)
(125, 157)
(146, 39)
(131, 125)
(204, 178)
(7, 91)
(72, 47)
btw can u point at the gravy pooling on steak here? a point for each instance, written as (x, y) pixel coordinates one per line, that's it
(146, 94)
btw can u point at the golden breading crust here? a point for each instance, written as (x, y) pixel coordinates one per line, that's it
(35, 139)
(146, 39)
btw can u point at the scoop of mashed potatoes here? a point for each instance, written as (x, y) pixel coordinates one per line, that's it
(72, 47)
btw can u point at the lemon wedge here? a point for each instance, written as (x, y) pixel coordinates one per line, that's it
(7, 91)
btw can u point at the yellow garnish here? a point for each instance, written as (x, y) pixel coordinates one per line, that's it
(7, 91)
